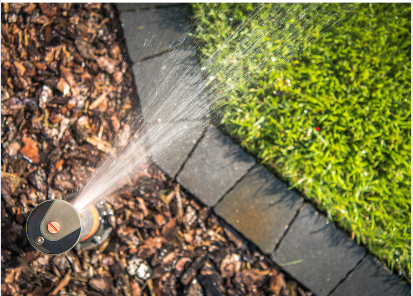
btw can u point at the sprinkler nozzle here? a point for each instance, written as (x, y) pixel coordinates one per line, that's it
(55, 226)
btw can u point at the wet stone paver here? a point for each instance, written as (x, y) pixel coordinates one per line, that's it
(151, 31)
(215, 166)
(372, 279)
(317, 254)
(260, 207)
(170, 87)
(170, 152)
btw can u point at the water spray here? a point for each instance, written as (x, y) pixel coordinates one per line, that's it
(56, 226)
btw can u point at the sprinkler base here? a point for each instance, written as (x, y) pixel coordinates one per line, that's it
(104, 229)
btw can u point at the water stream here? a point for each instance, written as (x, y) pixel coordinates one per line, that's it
(192, 99)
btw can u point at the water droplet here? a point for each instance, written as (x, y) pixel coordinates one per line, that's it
(305, 111)
(364, 152)
(365, 173)
(273, 59)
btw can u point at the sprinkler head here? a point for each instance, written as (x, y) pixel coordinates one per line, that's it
(55, 226)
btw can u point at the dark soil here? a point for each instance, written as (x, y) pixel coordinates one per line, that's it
(66, 93)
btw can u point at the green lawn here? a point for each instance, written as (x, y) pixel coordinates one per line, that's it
(279, 71)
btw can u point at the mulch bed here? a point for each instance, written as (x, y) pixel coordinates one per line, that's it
(66, 93)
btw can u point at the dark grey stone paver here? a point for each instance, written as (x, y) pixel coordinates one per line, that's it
(323, 255)
(171, 143)
(215, 166)
(261, 207)
(135, 6)
(170, 87)
(371, 278)
(152, 31)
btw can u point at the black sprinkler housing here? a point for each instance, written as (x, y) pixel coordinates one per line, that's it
(56, 226)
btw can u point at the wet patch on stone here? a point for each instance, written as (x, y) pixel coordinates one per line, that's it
(261, 207)
(215, 166)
